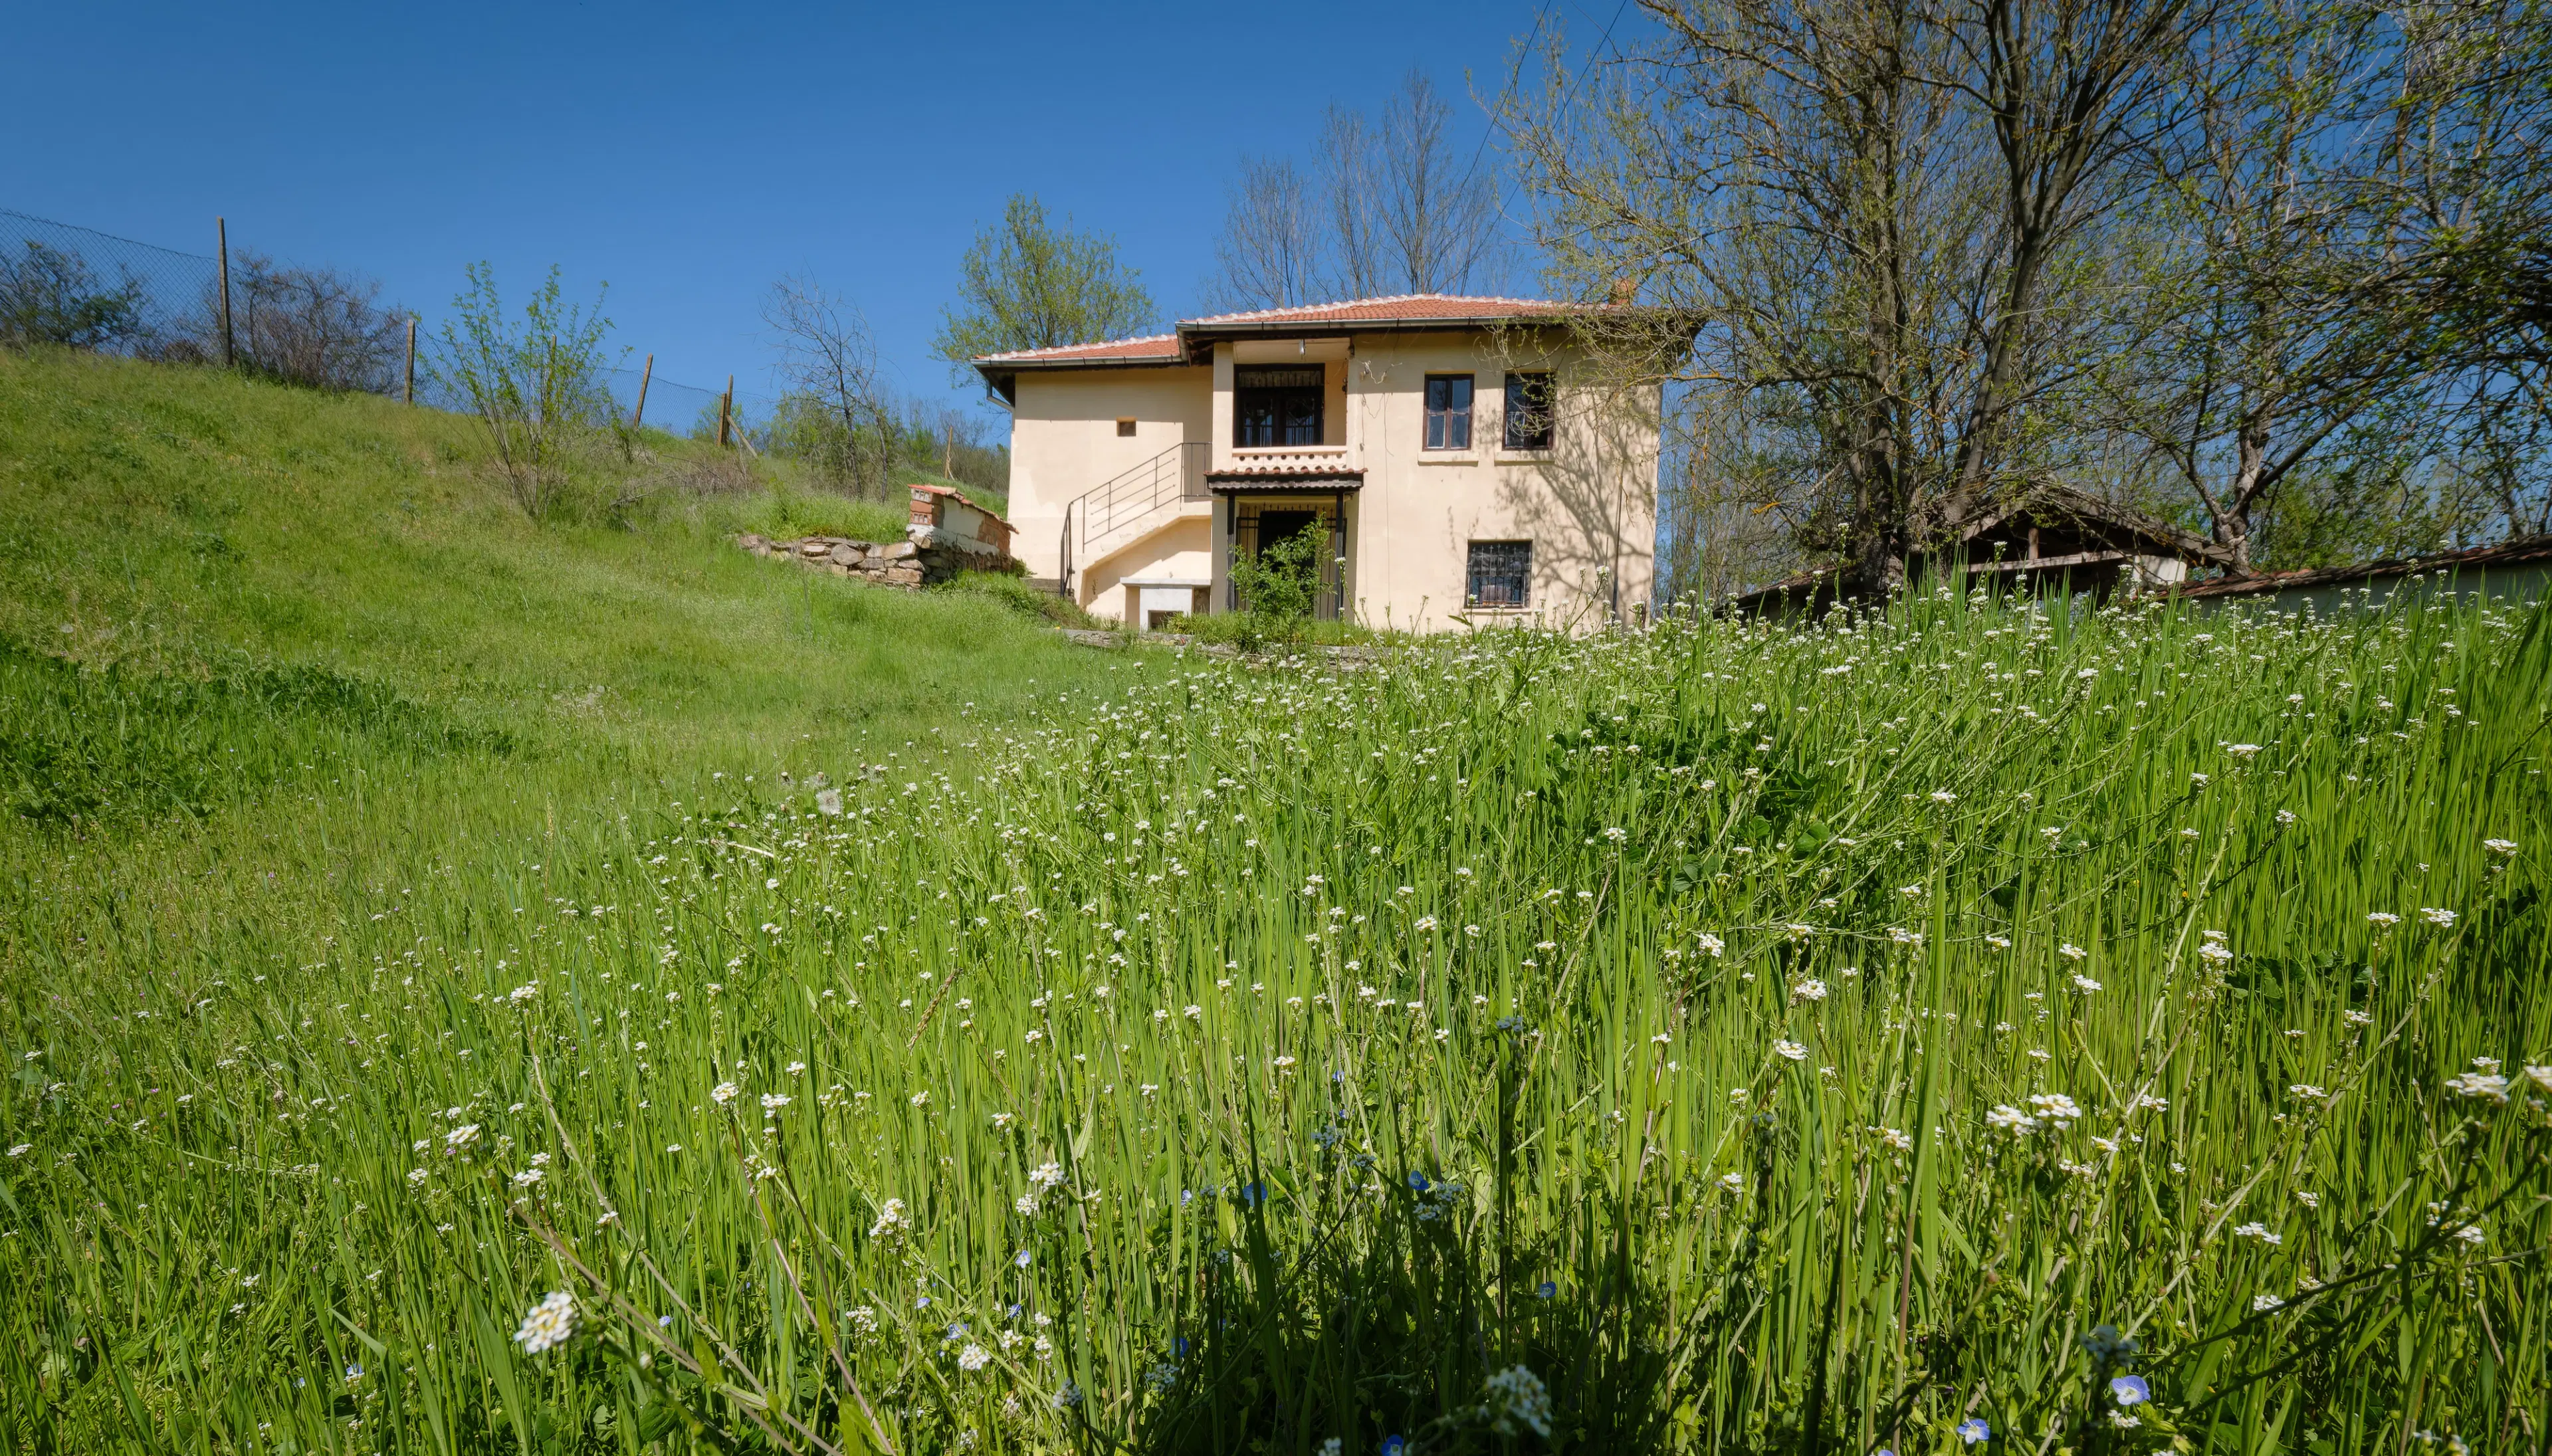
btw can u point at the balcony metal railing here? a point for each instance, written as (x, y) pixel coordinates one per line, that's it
(1116, 509)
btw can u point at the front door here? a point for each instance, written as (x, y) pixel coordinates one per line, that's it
(1257, 528)
(1283, 525)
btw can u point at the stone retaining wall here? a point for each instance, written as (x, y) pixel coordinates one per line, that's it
(949, 536)
(907, 564)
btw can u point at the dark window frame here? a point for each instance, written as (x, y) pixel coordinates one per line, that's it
(1521, 408)
(1498, 574)
(1445, 418)
(1297, 409)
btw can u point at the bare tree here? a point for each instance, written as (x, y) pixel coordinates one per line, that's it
(830, 360)
(1271, 248)
(1355, 265)
(1437, 214)
(1389, 206)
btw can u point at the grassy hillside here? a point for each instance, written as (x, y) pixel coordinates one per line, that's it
(258, 644)
(1994, 1025)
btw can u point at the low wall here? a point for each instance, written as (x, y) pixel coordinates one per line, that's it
(908, 563)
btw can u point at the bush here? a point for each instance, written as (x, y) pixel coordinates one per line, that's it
(48, 296)
(1280, 584)
(536, 387)
(315, 327)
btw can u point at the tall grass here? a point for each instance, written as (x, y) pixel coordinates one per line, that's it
(1903, 1032)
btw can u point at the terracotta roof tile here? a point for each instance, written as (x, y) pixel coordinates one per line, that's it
(1399, 308)
(1150, 346)
(1403, 308)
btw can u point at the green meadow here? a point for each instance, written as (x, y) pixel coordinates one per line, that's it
(472, 986)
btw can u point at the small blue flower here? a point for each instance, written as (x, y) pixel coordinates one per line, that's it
(955, 1332)
(1015, 1311)
(1548, 1289)
(1252, 1194)
(2130, 1389)
(1023, 1258)
(1394, 1446)
(1418, 1180)
(664, 1321)
(921, 1304)
(1178, 1347)
(353, 1372)
(1973, 1430)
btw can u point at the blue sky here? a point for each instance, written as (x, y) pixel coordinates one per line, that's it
(689, 154)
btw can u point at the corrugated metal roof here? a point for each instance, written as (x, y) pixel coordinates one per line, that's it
(2266, 583)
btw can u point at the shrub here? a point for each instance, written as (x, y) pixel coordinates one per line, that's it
(536, 387)
(1280, 583)
(48, 296)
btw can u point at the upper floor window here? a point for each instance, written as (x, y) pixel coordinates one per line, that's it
(1448, 411)
(1529, 422)
(1276, 406)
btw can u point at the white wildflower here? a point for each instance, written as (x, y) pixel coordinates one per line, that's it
(549, 1324)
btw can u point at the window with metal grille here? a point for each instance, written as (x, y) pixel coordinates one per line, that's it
(1501, 573)
(1528, 412)
(1448, 411)
(1276, 406)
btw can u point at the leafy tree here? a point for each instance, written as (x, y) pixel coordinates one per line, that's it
(1030, 284)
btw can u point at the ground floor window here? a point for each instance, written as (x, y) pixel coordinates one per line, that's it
(1501, 573)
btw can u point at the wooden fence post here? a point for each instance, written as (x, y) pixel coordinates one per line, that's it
(407, 391)
(222, 244)
(640, 411)
(726, 413)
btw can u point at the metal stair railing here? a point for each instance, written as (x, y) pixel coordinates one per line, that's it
(1131, 499)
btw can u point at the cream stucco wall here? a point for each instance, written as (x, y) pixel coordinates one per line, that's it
(1588, 505)
(1064, 441)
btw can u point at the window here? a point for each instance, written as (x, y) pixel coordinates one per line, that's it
(1529, 412)
(1276, 406)
(1501, 573)
(1448, 411)
(1124, 427)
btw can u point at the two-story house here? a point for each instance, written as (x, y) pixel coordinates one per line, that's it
(1462, 455)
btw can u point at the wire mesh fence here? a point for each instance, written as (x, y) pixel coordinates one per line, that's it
(79, 287)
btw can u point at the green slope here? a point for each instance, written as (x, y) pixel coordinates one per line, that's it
(282, 638)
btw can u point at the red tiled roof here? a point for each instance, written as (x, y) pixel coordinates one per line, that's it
(1162, 347)
(1406, 308)
(1402, 308)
